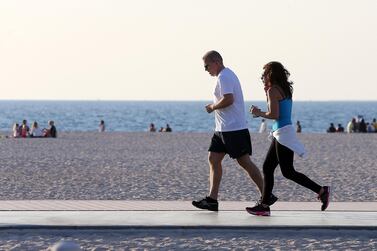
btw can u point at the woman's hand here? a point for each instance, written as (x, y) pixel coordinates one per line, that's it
(255, 111)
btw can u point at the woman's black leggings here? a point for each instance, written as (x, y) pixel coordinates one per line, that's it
(282, 155)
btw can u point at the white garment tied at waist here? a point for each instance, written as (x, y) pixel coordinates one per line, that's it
(287, 137)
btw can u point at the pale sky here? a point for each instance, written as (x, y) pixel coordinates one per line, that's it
(152, 49)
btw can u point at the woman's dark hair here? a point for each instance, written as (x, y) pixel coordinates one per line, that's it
(278, 75)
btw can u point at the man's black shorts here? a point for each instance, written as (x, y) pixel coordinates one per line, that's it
(235, 143)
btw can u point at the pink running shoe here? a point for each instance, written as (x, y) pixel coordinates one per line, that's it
(259, 210)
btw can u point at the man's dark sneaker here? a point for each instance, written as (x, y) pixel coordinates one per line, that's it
(207, 203)
(259, 210)
(325, 198)
(270, 201)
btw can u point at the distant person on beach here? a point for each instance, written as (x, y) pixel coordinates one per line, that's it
(351, 126)
(360, 123)
(16, 131)
(51, 130)
(151, 128)
(263, 126)
(36, 131)
(298, 127)
(24, 129)
(370, 127)
(374, 123)
(331, 128)
(362, 126)
(101, 126)
(231, 135)
(284, 139)
(340, 128)
(167, 128)
(161, 129)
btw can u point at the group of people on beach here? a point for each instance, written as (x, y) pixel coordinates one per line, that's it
(232, 137)
(24, 131)
(332, 128)
(359, 125)
(152, 128)
(355, 125)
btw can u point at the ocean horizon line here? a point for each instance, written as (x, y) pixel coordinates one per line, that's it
(130, 115)
(160, 100)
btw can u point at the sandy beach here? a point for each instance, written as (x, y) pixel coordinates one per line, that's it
(173, 166)
(101, 240)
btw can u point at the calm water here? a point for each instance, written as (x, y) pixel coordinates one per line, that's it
(189, 116)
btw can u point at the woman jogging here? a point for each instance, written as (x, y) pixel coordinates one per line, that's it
(284, 141)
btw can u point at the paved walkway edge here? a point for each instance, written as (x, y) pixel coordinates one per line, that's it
(173, 228)
(186, 220)
(142, 205)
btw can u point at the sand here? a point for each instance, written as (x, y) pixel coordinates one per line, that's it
(173, 166)
(97, 240)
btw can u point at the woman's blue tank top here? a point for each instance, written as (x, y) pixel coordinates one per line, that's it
(285, 111)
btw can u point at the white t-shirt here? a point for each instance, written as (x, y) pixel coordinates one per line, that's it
(36, 132)
(231, 118)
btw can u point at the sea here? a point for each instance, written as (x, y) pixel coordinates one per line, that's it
(182, 116)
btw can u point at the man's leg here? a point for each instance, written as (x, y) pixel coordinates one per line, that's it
(215, 173)
(216, 154)
(252, 170)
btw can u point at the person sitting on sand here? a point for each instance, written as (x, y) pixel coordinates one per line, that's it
(362, 126)
(24, 129)
(340, 128)
(374, 123)
(331, 128)
(370, 128)
(298, 127)
(36, 131)
(152, 128)
(101, 126)
(167, 128)
(350, 127)
(16, 131)
(51, 130)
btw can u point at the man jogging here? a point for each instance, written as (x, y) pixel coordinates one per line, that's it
(231, 135)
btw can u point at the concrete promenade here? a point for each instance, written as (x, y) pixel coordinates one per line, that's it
(98, 214)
